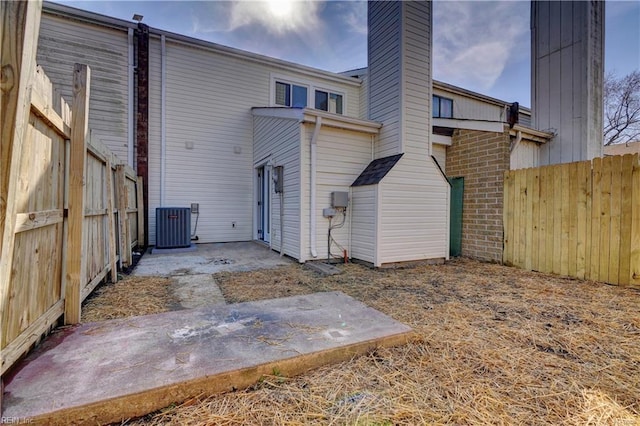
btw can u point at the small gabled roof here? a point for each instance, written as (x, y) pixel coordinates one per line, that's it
(376, 170)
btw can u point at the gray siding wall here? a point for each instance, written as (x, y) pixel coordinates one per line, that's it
(384, 74)
(567, 73)
(61, 44)
(277, 140)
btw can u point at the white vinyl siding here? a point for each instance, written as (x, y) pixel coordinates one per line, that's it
(468, 108)
(278, 141)
(209, 140)
(341, 156)
(414, 213)
(363, 222)
(525, 155)
(384, 74)
(155, 117)
(416, 70)
(61, 44)
(440, 152)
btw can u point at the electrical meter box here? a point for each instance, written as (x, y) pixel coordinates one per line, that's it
(278, 179)
(339, 200)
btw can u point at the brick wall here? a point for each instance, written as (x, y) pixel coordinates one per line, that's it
(481, 158)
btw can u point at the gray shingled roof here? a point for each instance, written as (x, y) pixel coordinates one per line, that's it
(376, 170)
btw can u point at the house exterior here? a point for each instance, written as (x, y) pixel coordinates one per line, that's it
(216, 126)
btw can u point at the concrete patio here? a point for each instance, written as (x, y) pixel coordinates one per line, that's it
(113, 370)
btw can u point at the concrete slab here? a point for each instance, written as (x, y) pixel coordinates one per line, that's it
(210, 259)
(113, 370)
(196, 291)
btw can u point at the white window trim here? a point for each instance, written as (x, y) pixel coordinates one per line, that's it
(311, 90)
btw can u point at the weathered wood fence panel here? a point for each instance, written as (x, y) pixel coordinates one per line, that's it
(578, 219)
(60, 218)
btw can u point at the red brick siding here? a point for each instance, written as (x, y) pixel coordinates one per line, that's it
(481, 158)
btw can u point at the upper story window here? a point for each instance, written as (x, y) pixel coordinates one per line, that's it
(289, 91)
(327, 101)
(442, 107)
(291, 95)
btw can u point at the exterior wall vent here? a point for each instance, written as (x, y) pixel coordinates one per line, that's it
(173, 227)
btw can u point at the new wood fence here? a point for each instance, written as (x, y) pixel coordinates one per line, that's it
(578, 219)
(69, 210)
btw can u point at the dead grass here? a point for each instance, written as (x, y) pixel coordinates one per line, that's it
(496, 345)
(129, 297)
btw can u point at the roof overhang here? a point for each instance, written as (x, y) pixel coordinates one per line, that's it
(341, 122)
(483, 126)
(310, 116)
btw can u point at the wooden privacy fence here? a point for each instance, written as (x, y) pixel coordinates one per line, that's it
(578, 219)
(71, 214)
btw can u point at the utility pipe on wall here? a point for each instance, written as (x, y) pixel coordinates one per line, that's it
(312, 213)
(130, 88)
(163, 115)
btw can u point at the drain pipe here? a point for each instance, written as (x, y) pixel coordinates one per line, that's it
(130, 88)
(163, 119)
(312, 227)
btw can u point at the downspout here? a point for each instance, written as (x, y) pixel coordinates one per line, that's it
(163, 115)
(312, 227)
(130, 88)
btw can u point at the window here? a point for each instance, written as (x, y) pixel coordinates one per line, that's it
(291, 95)
(327, 101)
(442, 107)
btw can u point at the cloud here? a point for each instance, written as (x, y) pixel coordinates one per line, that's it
(475, 41)
(275, 16)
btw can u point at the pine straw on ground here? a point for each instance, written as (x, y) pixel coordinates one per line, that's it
(496, 345)
(129, 297)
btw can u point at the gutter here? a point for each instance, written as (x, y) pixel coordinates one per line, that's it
(312, 207)
(163, 115)
(130, 89)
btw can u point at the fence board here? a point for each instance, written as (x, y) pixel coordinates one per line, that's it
(614, 227)
(634, 273)
(596, 198)
(584, 219)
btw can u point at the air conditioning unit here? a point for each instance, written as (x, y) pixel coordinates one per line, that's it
(173, 227)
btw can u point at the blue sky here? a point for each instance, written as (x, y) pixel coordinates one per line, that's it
(479, 45)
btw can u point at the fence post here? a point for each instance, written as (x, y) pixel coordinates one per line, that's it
(19, 40)
(111, 226)
(75, 255)
(123, 220)
(141, 210)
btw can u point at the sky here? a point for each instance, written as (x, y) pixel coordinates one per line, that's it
(483, 46)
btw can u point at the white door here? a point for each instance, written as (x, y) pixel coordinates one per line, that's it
(264, 203)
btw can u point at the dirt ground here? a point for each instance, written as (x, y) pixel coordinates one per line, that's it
(496, 345)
